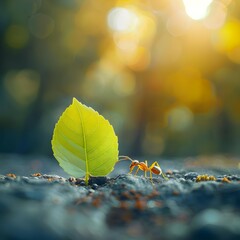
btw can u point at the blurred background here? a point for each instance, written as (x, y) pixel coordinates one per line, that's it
(165, 73)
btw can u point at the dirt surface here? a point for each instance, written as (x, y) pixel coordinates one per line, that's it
(187, 206)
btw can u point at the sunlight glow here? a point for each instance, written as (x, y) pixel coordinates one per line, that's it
(122, 20)
(227, 40)
(197, 9)
(217, 16)
(133, 30)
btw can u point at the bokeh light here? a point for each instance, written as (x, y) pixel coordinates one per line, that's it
(22, 86)
(16, 36)
(133, 31)
(197, 9)
(122, 20)
(164, 72)
(217, 16)
(228, 40)
(180, 118)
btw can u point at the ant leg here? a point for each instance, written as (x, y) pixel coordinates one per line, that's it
(164, 176)
(131, 169)
(145, 172)
(137, 171)
(151, 177)
(154, 164)
(149, 168)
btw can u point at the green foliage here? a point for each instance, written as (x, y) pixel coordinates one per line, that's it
(84, 143)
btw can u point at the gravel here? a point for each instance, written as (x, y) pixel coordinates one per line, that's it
(42, 206)
(39, 201)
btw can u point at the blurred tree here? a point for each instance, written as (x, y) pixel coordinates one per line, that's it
(165, 73)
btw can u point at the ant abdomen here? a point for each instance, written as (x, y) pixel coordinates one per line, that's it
(156, 170)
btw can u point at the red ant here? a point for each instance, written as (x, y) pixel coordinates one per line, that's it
(153, 169)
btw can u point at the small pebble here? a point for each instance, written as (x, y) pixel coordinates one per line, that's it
(52, 176)
(98, 180)
(12, 175)
(9, 179)
(25, 179)
(72, 179)
(80, 182)
(169, 172)
(226, 180)
(91, 191)
(190, 175)
(36, 175)
(235, 178)
(178, 175)
(181, 180)
(94, 186)
(35, 181)
(219, 179)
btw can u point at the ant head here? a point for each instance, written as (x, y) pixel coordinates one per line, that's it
(134, 163)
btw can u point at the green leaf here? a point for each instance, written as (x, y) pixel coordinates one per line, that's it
(84, 142)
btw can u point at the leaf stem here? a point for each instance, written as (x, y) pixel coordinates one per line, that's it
(86, 178)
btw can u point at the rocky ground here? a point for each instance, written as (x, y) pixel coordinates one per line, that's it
(122, 206)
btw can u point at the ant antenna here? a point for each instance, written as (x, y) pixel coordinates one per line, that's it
(124, 158)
